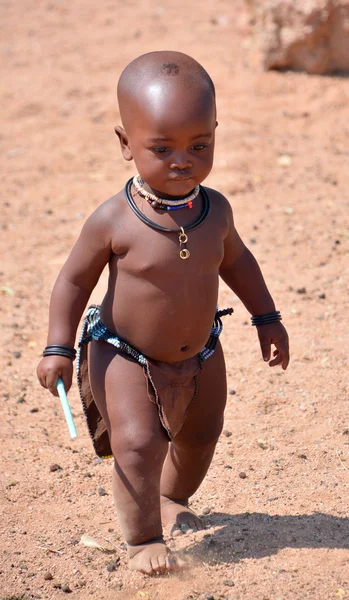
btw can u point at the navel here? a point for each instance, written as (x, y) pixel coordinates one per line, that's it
(184, 348)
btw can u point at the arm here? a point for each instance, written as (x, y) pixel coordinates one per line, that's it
(70, 295)
(240, 271)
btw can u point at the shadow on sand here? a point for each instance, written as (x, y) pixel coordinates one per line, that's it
(256, 535)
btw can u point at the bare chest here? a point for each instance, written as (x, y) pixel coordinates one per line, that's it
(150, 253)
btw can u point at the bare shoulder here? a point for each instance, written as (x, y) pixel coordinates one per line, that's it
(220, 203)
(108, 212)
(106, 220)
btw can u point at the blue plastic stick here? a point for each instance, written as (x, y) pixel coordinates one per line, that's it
(66, 409)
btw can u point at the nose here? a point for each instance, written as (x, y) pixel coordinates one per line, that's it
(180, 161)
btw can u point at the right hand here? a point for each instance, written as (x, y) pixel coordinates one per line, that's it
(50, 368)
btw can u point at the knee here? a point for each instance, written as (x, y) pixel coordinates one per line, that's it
(205, 438)
(138, 447)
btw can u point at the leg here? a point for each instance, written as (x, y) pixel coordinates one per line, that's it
(192, 450)
(139, 446)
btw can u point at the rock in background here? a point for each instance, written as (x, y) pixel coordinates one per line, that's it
(303, 35)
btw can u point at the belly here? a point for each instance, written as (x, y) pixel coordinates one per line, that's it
(168, 324)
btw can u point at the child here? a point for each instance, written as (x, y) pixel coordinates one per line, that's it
(155, 393)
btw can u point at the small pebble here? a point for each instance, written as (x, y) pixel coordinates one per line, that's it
(262, 444)
(55, 467)
(16, 354)
(74, 541)
(102, 492)
(227, 433)
(229, 582)
(206, 510)
(33, 410)
(232, 392)
(228, 467)
(21, 400)
(322, 296)
(209, 597)
(301, 290)
(112, 566)
(242, 475)
(304, 456)
(65, 588)
(285, 160)
(48, 576)
(57, 586)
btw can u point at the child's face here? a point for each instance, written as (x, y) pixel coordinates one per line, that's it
(171, 138)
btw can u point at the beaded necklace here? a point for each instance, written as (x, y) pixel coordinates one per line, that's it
(182, 238)
(164, 203)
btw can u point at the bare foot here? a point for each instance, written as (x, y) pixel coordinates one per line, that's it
(153, 558)
(178, 518)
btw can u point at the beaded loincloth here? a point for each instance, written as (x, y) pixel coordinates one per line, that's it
(172, 387)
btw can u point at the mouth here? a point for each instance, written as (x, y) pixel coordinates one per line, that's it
(180, 178)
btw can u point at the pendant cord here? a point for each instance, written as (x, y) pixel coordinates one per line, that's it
(142, 217)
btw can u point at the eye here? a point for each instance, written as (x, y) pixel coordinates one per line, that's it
(159, 150)
(199, 147)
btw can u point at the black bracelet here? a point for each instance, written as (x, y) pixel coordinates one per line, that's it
(60, 350)
(266, 319)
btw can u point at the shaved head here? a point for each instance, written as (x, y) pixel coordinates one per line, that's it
(152, 78)
(168, 112)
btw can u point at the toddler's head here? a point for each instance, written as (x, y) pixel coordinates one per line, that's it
(168, 112)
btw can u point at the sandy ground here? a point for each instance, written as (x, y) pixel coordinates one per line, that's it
(275, 501)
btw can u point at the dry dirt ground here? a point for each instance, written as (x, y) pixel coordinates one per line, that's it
(275, 501)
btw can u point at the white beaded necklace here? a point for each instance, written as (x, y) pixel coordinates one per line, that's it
(157, 202)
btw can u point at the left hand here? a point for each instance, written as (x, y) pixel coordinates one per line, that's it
(276, 334)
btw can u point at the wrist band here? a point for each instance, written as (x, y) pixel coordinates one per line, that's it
(60, 350)
(271, 317)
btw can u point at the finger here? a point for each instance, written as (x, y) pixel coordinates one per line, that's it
(51, 383)
(53, 390)
(284, 351)
(281, 356)
(266, 349)
(276, 361)
(41, 376)
(42, 381)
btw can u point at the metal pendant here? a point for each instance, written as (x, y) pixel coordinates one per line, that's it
(184, 253)
(183, 238)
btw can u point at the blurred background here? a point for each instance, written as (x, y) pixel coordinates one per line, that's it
(281, 75)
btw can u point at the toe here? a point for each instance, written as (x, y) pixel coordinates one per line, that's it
(176, 530)
(162, 563)
(155, 567)
(171, 563)
(146, 568)
(198, 524)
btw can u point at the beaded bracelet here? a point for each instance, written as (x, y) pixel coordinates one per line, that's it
(60, 350)
(271, 317)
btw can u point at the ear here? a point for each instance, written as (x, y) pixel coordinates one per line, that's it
(216, 123)
(124, 142)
